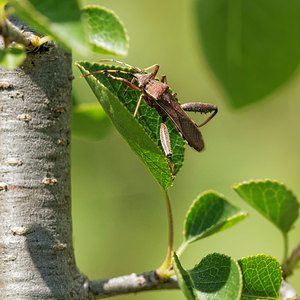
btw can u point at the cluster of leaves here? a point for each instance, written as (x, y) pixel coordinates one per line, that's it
(82, 30)
(92, 28)
(221, 277)
(217, 276)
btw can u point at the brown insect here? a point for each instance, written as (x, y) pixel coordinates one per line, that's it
(157, 95)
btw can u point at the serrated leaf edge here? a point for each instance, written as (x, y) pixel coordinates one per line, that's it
(198, 237)
(220, 255)
(266, 256)
(189, 241)
(248, 182)
(236, 186)
(238, 267)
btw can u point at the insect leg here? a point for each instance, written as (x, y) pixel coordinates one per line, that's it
(166, 144)
(163, 79)
(202, 108)
(138, 104)
(132, 81)
(154, 72)
(147, 100)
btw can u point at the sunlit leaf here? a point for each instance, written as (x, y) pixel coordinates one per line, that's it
(272, 199)
(106, 32)
(210, 213)
(261, 277)
(216, 277)
(142, 132)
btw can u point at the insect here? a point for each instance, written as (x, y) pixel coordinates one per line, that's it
(158, 95)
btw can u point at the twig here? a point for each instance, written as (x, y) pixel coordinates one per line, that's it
(12, 33)
(130, 284)
(291, 262)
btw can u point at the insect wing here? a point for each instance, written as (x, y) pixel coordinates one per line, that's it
(183, 123)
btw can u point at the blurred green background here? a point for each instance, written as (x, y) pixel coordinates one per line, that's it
(119, 214)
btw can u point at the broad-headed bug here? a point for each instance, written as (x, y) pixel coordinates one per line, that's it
(157, 94)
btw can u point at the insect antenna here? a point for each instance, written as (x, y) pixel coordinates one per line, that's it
(122, 63)
(107, 71)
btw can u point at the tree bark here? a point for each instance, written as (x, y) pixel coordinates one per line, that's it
(36, 250)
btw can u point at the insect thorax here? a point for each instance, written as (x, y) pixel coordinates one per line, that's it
(155, 89)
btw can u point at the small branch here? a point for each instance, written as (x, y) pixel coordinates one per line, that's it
(291, 262)
(134, 283)
(130, 284)
(12, 33)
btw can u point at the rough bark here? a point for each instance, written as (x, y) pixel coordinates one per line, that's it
(36, 250)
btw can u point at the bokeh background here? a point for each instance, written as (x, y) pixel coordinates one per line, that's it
(119, 214)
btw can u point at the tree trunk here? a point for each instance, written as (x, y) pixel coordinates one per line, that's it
(36, 250)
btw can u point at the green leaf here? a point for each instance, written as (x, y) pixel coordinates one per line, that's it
(261, 277)
(272, 199)
(12, 56)
(216, 277)
(252, 46)
(142, 132)
(106, 31)
(210, 213)
(89, 121)
(183, 278)
(57, 18)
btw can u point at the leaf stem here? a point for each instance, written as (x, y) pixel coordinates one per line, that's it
(164, 270)
(286, 246)
(181, 249)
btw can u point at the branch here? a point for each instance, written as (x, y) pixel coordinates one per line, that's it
(130, 284)
(12, 33)
(150, 281)
(13, 30)
(291, 263)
